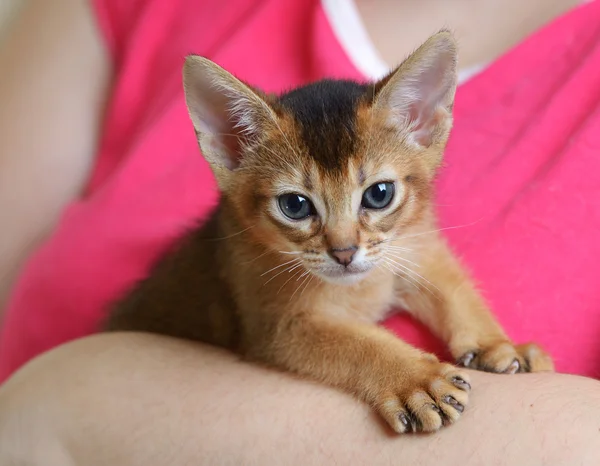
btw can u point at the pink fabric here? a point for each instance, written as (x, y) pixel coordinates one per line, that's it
(522, 178)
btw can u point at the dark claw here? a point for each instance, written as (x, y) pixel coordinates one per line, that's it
(414, 422)
(466, 359)
(455, 404)
(514, 367)
(461, 383)
(405, 421)
(437, 409)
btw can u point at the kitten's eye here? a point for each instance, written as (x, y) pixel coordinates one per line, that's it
(378, 196)
(295, 206)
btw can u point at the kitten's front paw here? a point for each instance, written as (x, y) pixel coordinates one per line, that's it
(504, 357)
(432, 396)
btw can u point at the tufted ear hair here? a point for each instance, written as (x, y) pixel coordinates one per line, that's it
(226, 113)
(418, 96)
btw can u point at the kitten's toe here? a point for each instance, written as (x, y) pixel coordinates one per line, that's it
(505, 358)
(435, 396)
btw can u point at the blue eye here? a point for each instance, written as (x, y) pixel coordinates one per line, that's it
(295, 206)
(378, 196)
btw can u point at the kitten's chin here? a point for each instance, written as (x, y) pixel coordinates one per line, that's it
(342, 277)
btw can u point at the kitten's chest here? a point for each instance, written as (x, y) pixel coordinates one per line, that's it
(367, 302)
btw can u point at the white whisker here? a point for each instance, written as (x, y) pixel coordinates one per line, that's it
(280, 265)
(409, 272)
(307, 284)
(288, 269)
(295, 274)
(231, 236)
(304, 274)
(402, 258)
(300, 286)
(440, 229)
(258, 257)
(398, 248)
(398, 271)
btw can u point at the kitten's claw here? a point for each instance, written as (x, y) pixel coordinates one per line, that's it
(455, 404)
(461, 383)
(513, 368)
(466, 359)
(505, 358)
(404, 420)
(434, 396)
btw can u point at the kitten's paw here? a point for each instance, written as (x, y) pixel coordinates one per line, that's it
(506, 358)
(435, 395)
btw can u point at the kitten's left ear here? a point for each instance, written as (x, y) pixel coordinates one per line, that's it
(418, 96)
(227, 114)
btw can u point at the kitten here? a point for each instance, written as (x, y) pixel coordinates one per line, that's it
(325, 224)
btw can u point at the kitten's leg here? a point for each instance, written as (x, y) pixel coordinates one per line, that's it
(410, 389)
(446, 300)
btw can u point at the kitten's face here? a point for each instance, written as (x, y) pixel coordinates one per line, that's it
(332, 208)
(329, 174)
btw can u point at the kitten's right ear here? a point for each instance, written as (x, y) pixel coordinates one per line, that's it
(227, 114)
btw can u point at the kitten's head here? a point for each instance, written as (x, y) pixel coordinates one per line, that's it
(331, 172)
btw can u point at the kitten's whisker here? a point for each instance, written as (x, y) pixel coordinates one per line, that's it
(231, 236)
(440, 229)
(402, 258)
(280, 265)
(304, 274)
(290, 252)
(258, 257)
(288, 280)
(409, 272)
(398, 271)
(307, 284)
(300, 286)
(288, 269)
(398, 248)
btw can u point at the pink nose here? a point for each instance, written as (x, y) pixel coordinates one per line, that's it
(343, 256)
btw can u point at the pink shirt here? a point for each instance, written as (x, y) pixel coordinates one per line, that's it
(520, 193)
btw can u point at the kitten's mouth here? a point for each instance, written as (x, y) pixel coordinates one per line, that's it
(344, 275)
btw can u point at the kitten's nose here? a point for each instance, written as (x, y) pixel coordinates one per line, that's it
(343, 256)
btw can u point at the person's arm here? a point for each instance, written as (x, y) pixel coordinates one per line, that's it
(53, 81)
(134, 399)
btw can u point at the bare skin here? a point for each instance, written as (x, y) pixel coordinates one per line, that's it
(134, 399)
(50, 46)
(484, 28)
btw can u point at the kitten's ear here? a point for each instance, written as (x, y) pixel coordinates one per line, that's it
(418, 96)
(226, 113)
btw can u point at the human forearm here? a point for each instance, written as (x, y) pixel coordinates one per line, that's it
(52, 89)
(132, 399)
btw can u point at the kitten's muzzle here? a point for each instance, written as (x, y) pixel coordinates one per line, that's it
(343, 256)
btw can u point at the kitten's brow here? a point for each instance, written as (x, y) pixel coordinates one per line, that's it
(279, 156)
(286, 139)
